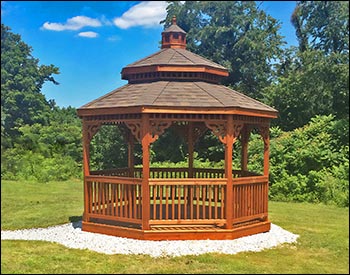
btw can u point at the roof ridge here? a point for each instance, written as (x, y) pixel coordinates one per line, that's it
(172, 55)
(177, 50)
(166, 85)
(196, 83)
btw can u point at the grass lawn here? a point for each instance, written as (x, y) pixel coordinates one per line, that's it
(322, 248)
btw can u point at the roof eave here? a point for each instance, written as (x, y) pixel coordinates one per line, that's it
(173, 68)
(176, 110)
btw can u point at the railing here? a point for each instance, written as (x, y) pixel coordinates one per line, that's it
(120, 172)
(175, 198)
(250, 196)
(187, 201)
(163, 173)
(113, 198)
(172, 173)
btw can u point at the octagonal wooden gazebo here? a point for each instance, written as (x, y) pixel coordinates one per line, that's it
(179, 89)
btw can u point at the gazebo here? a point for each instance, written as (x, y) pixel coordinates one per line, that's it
(176, 88)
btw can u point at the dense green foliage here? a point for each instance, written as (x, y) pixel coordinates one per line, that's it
(315, 79)
(21, 81)
(108, 149)
(321, 248)
(308, 85)
(311, 164)
(44, 153)
(313, 84)
(39, 141)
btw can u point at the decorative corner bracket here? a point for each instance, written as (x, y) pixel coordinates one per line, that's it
(135, 128)
(218, 129)
(157, 128)
(91, 128)
(264, 131)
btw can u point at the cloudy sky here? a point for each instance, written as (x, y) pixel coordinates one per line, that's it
(91, 41)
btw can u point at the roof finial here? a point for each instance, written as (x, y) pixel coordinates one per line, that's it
(173, 21)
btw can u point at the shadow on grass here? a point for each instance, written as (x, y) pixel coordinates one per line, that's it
(76, 221)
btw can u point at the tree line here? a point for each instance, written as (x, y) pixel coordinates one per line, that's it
(308, 85)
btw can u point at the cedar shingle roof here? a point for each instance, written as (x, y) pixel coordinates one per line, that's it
(174, 28)
(176, 94)
(170, 56)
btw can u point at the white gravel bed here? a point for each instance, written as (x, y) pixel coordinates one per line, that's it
(72, 236)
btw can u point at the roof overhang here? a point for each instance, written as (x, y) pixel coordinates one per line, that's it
(173, 68)
(175, 110)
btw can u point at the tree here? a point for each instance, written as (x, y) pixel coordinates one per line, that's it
(314, 80)
(21, 81)
(314, 84)
(235, 34)
(322, 25)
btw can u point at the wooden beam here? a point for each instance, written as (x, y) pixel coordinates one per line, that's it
(163, 68)
(86, 169)
(173, 110)
(228, 171)
(145, 141)
(209, 110)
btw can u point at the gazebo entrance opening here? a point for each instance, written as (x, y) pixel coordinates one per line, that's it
(176, 89)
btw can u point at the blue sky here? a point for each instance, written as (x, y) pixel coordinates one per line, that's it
(91, 41)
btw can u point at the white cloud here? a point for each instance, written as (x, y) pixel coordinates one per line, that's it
(74, 23)
(146, 14)
(88, 34)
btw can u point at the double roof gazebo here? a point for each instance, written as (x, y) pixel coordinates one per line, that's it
(176, 88)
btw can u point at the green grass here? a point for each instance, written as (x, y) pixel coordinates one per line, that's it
(322, 248)
(30, 204)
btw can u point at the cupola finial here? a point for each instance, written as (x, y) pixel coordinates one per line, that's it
(173, 20)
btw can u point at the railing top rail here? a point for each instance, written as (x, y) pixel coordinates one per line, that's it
(173, 169)
(250, 180)
(191, 181)
(114, 179)
(165, 168)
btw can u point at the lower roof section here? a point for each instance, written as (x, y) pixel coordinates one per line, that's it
(175, 97)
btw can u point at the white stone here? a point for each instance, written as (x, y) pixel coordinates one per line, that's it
(72, 236)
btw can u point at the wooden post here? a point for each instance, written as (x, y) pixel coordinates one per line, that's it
(86, 168)
(264, 132)
(145, 140)
(131, 155)
(266, 138)
(190, 149)
(228, 171)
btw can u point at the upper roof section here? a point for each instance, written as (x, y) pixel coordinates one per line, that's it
(174, 37)
(173, 62)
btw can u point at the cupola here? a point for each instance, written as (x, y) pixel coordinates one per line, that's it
(174, 37)
(173, 62)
